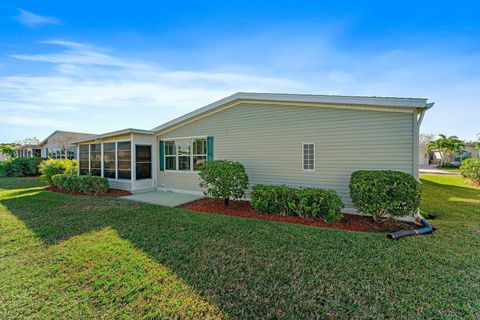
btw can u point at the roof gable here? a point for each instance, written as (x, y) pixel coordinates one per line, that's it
(280, 98)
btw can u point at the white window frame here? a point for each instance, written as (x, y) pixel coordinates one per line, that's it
(192, 154)
(303, 157)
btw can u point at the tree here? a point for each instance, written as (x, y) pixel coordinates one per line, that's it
(446, 146)
(425, 138)
(7, 150)
(29, 141)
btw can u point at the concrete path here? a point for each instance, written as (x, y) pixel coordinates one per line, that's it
(163, 198)
(436, 171)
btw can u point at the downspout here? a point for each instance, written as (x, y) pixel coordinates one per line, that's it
(426, 227)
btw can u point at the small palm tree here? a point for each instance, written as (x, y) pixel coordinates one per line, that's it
(446, 146)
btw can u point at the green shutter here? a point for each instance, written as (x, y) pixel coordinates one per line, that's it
(209, 148)
(46, 152)
(162, 155)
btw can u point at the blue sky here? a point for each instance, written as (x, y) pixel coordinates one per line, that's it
(99, 66)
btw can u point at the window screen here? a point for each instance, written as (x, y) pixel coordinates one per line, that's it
(143, 163)
(83, 159)
(124, 156)
(109, 159)
(95, 159)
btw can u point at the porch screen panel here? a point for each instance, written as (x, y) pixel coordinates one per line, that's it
(124, 158)
(83, 159)
(143, 165)
(95, 159)
(109, 158)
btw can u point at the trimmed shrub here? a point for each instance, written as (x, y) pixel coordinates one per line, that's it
(302, 202)
(470, 169)
(86, 184)
(223, 179)
(19, 167)
(49, 168)
(382, 193)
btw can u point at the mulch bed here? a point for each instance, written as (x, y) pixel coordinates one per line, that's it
(350, 222)
(110, 193)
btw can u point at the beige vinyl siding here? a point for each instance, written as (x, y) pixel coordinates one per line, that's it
(120, 184)
(267, 140)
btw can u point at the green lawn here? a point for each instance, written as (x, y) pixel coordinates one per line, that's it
(64, 256)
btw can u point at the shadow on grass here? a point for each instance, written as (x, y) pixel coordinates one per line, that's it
(450, 202)
(251, 268)
(243, 266)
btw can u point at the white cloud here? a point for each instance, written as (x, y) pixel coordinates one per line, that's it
(30, 19)
(89, 89)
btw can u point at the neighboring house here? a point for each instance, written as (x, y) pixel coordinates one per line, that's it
(28, 151)
(435, 156)
(292, 139)
(423, 157)
(59, 144)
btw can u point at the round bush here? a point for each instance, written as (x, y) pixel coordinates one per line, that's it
(223, 179)
(470, 169)
(49, 168)
(382, 193)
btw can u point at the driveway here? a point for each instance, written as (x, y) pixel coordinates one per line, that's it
(436, 171)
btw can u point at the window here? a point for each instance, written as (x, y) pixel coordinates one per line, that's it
(83, 159)
(199, 153)
(170, 156)
(109, 160)
(37, 152)
(308, 157)
(124, 156)
(71, 152)
(185, 154)
(143, 165)
(95, 159)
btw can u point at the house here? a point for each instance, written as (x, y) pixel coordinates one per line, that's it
(436, 157)
(27, 150)
(292, 139)
(59, 144)
(423, 157)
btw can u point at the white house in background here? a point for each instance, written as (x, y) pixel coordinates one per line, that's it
(59, 144)
(27, 151)
(292, 139)
(435, 156)
(423, 157)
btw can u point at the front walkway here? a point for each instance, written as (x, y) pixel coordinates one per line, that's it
(163, 198)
